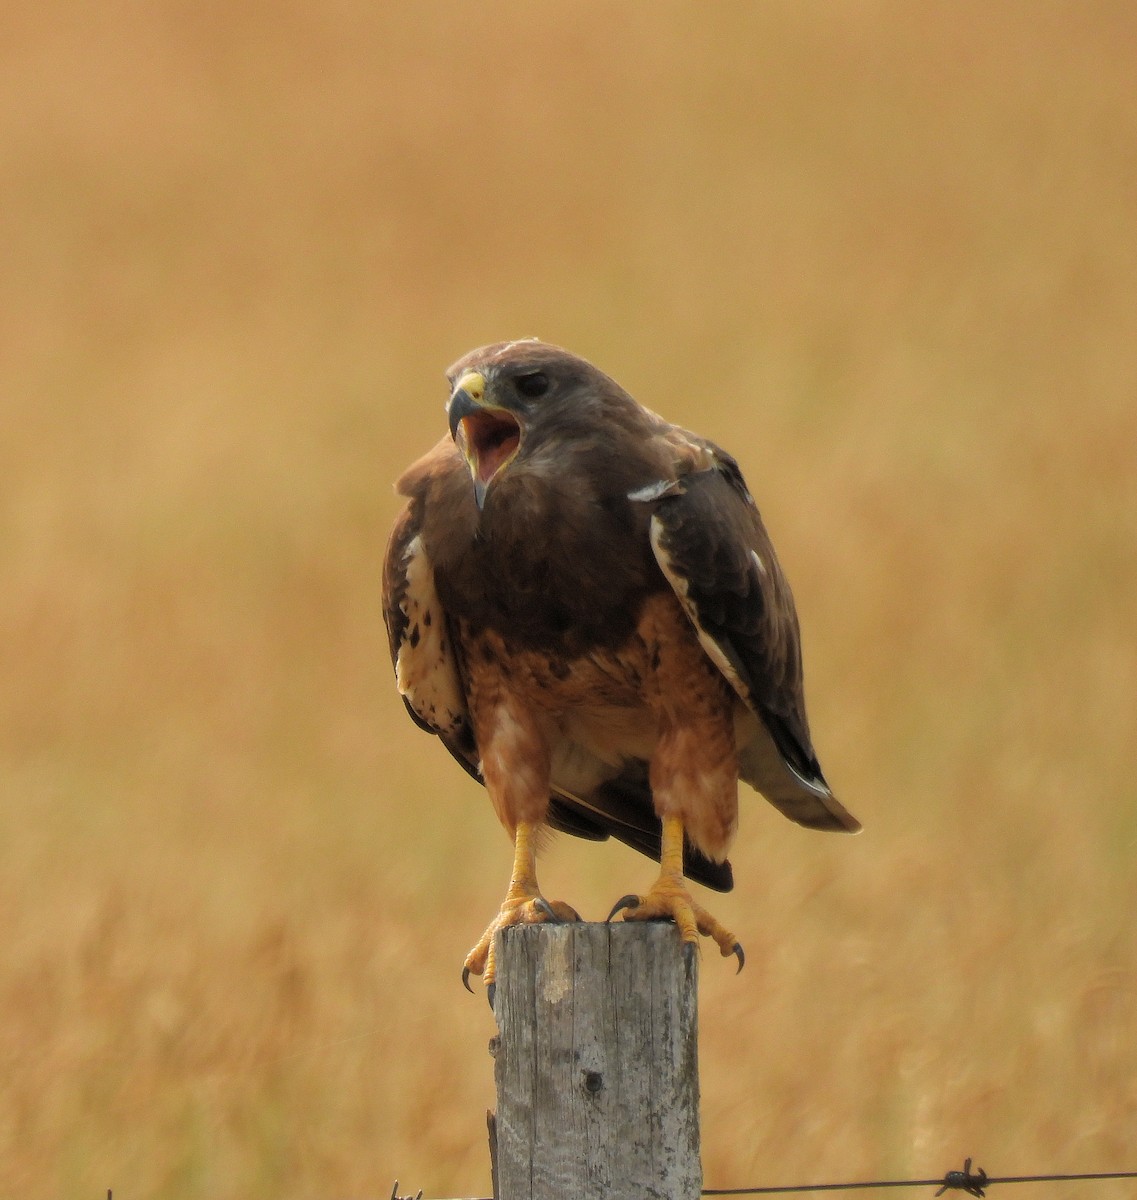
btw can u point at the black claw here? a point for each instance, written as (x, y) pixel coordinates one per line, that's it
(690, 953)
(466, 980)
(629, 901)
(543, 906)
(491, 991)
(740, 954)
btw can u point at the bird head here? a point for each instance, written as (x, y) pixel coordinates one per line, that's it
(507, 398)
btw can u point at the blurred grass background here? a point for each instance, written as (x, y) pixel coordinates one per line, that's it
(884, 252)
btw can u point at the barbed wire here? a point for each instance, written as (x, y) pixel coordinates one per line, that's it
(974, 1183)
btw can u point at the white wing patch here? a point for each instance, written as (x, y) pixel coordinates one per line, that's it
(425, 669)
(656, 491)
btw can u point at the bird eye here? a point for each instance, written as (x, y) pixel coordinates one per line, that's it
(534, 384)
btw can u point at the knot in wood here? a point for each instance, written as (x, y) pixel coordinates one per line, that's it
(593, 1082)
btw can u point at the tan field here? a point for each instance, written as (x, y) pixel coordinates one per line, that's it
(886, 253)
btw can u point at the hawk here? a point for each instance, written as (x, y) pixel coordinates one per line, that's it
(583, 604)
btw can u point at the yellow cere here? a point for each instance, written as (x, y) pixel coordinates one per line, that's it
(473, 383)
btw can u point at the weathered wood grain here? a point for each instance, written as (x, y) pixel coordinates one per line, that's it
(597, 1064)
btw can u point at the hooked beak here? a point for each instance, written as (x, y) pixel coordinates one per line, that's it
(489, 437)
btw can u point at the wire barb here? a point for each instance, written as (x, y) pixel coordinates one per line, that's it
(964, 1181)
(395, 1193)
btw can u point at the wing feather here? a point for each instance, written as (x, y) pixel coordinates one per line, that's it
(427, 669)
(712, 547)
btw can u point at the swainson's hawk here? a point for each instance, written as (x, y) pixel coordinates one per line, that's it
(584, 605)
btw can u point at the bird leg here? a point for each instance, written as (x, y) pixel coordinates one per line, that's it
(669, 899)
(523, 905)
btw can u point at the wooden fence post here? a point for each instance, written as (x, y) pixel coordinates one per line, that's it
(596, 1065)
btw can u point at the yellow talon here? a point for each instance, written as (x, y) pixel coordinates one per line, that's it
(523, 905)
(669, 899)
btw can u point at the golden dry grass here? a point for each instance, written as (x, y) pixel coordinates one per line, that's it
(885, 252)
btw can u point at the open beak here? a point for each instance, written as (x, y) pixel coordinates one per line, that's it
(489, 437)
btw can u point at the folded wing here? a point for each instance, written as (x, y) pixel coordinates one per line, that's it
(711, 545)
